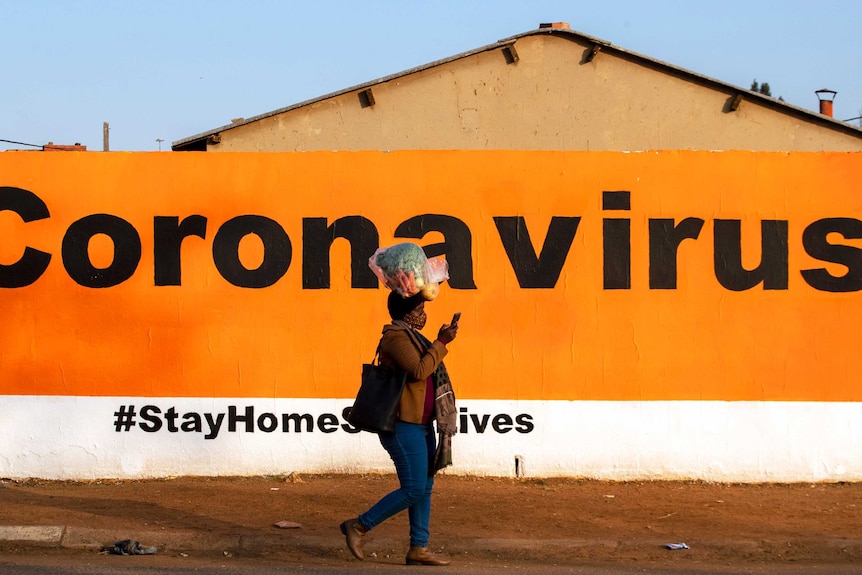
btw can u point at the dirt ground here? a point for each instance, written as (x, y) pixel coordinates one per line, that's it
(549, 521)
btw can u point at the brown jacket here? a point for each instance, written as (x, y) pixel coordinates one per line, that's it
(398, 348)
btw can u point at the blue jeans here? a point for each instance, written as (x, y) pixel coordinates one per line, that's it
(411, 447)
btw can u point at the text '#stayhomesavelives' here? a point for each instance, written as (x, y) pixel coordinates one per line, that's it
(153, 419)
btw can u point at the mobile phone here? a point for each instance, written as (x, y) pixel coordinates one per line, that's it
(455, 318)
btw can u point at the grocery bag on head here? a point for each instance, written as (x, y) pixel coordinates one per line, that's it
(404, 268)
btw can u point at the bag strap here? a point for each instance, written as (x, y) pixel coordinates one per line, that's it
(374, 360)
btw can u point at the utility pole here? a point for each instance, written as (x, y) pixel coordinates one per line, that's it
(105, 130)
(160, 140)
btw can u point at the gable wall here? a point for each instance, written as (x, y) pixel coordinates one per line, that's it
(548, 100)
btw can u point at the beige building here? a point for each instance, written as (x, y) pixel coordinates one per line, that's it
(547, 89)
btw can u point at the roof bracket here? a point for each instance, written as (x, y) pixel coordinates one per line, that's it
(734, 102)
(510, 54)
(366, 98)
(591, 53)
(214, 139)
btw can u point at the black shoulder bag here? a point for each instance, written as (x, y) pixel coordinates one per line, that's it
(378, 397)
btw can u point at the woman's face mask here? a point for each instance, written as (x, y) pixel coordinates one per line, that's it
(416, 318)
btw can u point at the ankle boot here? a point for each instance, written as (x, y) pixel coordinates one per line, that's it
(422, 556)
(354, 531)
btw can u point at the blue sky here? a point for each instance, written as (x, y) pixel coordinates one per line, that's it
(168, 69)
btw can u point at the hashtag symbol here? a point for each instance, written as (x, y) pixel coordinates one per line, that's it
(125, 418)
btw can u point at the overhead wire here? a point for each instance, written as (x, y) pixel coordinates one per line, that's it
(43, 147)
(22, 143)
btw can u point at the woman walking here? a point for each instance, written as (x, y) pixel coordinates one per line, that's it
(413, 447)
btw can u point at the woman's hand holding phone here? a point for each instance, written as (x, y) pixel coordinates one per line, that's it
(448, 331)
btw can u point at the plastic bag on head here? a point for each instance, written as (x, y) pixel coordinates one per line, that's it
(404, 268)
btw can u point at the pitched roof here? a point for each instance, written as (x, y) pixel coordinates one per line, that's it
(566, 33)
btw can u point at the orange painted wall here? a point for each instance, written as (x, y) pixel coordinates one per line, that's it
(576, 341)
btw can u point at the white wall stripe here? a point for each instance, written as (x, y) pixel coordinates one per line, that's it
(58, 437)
